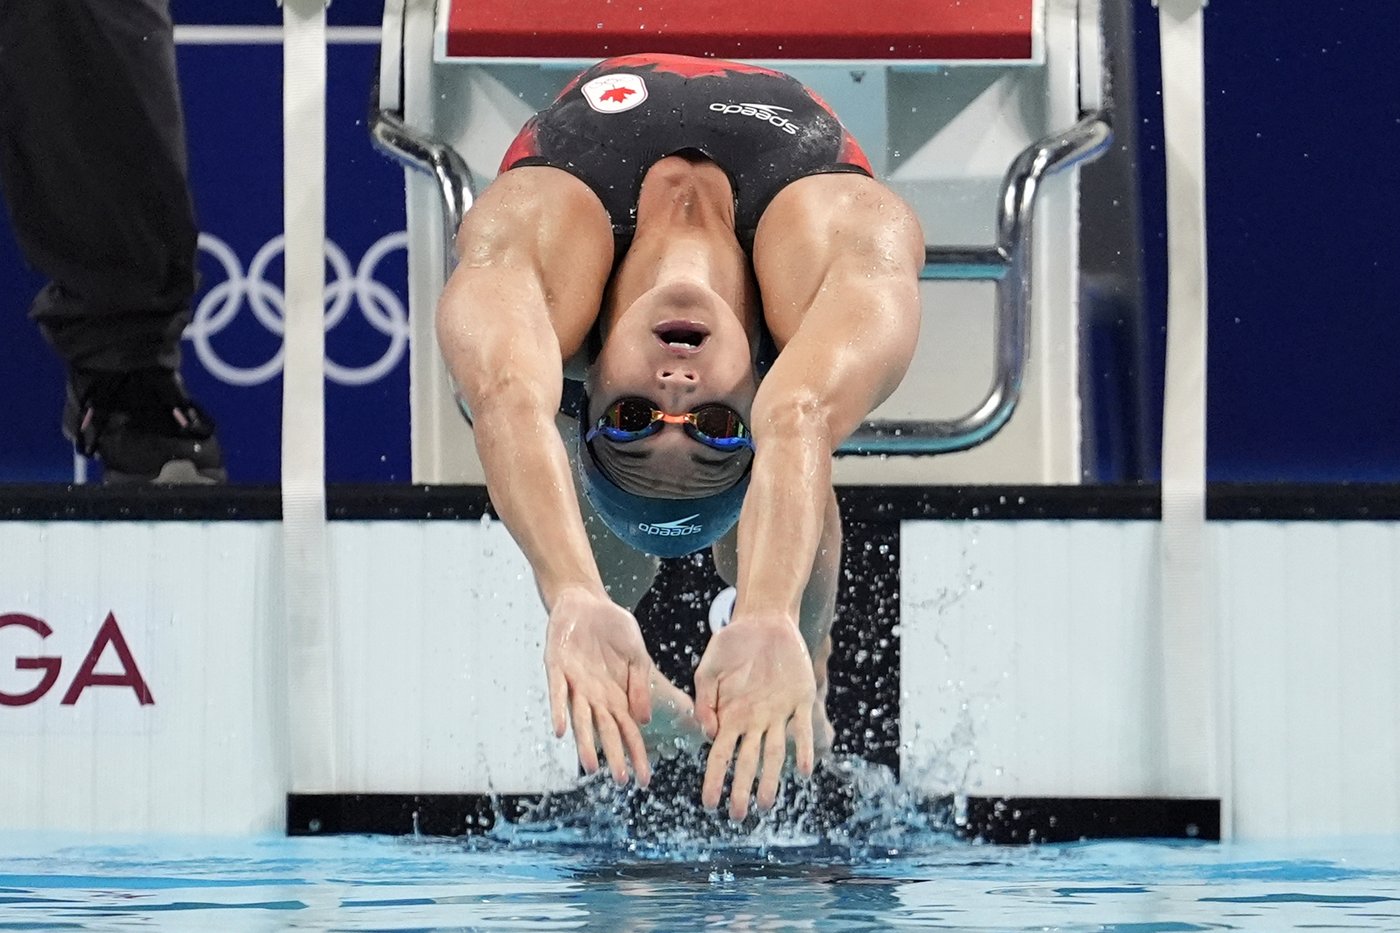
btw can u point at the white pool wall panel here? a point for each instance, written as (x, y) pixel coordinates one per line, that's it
(440, 662)
(1026, 666)
(196, 604)
(1313, 618)
(438, 679)
(1030, 656)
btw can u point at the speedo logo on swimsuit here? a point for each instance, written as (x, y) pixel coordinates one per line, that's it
(673, 529)
(768, 113)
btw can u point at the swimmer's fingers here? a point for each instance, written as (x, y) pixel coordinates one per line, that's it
(558, 699)
(636, 747)
(801, 728)
(611, 740)
(716, 766)
(706, 701)
(607, 725)
(745, 769)
(639, 691)
(774, 755)
(583, 734)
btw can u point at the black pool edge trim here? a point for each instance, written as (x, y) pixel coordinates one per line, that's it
(367, 502)
(992, 820)
(1022, 820)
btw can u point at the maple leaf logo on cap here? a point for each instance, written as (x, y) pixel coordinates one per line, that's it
(614, 93)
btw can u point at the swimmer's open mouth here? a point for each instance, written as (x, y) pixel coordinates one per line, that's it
(682, 336)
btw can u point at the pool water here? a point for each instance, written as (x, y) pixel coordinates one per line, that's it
(886, 866)
(489, 885)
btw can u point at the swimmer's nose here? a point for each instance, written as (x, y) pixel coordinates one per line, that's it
(683, 378)
(675, 383)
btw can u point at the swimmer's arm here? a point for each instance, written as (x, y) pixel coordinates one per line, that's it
(837, 260)
(535, 251)
(496, 326)
(818, 604)
(817, 611)
(841, 289)
(512, 381)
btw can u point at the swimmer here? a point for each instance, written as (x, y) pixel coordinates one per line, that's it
(683, 291)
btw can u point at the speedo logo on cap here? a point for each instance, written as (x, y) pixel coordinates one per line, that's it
(672, 529)
(768, 113)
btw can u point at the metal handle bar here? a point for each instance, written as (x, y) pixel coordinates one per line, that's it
(1008, 264)
(434, 158)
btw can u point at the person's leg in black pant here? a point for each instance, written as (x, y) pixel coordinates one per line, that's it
(93, 169)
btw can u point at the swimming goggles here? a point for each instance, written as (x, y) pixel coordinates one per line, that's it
(714, 425)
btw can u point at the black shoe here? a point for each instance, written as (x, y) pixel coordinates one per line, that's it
(143, 426)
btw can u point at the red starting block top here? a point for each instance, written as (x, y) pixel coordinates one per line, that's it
(745, 29)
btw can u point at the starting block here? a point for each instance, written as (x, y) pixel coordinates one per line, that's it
(972, 112)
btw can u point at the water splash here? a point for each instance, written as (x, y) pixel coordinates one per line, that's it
(848, 811)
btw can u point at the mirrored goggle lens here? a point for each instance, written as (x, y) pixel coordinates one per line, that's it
(718, 422)
(630, 415)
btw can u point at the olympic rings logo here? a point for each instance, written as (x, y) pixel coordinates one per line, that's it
(381, 307)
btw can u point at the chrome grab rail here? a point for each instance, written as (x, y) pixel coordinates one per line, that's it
(434, 158)
(1008, 264)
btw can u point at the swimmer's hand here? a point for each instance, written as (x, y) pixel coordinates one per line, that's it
(599, 672)
(753, 686)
